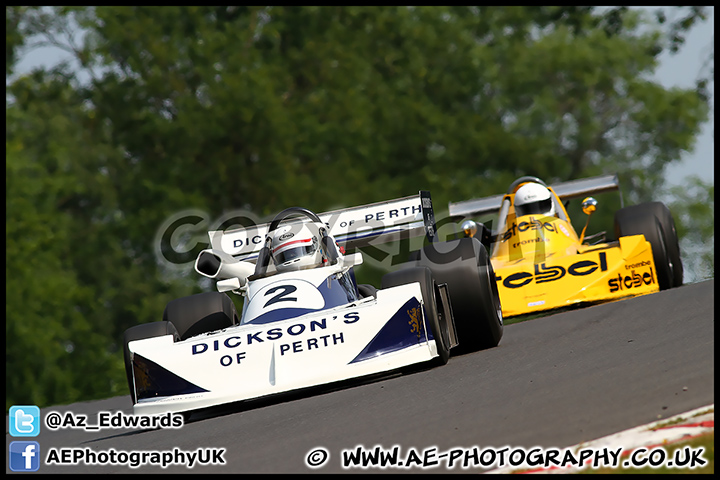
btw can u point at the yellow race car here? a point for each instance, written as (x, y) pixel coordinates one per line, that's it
(540, 261)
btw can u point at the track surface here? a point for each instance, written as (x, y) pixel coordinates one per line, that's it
(553, 382)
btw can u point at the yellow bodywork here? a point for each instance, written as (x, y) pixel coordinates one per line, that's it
(540, 264)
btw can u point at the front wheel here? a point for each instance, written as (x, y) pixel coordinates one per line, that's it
(201, 313)
(465, 266)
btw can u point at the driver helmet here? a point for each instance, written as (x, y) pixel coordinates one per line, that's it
(293, 248)
(534, 199)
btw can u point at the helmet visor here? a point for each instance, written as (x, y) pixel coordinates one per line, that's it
(534, 208)
(295, 251)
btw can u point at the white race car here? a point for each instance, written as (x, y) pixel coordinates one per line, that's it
(305, 321)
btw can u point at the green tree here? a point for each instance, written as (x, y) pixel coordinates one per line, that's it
(57, 350)
(73, 282)
(693, 208)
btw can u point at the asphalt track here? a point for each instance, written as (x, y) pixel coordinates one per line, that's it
(554, 381)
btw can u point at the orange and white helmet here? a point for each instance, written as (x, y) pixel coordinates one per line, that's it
(534, 199)
(293, 247)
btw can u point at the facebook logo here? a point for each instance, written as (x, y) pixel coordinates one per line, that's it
(24, 421)
(24, 456)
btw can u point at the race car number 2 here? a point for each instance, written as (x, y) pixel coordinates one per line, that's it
(293, 293)
(284, 290)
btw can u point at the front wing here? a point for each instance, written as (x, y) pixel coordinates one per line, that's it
(251, 361)
(596, 274)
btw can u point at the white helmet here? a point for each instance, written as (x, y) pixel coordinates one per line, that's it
(293, 247)
(534, 199)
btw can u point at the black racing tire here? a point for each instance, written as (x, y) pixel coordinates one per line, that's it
(655, 222)
(434, 316)
(201, 313)
(672, 243)
(366, 290)
(140, 332)
(464, 264)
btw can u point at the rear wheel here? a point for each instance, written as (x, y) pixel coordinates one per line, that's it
(655, 222)
(434, 317)
(465, 266)
(672, 243)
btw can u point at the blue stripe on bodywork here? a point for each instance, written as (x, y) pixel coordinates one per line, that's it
(152, 380)
(404, 329)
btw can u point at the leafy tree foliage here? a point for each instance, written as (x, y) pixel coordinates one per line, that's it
(693, 208)
(53, 328)
(260, 108)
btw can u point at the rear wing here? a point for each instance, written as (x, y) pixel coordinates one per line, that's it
(564, 190)
(353, 227)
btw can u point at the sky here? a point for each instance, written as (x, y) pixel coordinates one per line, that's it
(681, 70)
(675, 70)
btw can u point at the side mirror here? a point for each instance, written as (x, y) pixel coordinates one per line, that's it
(589, 205)
(479, 231)
(229, 284)
(469, 228)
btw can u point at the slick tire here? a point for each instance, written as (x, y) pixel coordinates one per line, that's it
(672, 243)
(464, 264)
(433, 314)
(655, 222)
(201, 313)
(140, 332)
